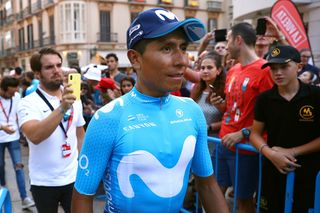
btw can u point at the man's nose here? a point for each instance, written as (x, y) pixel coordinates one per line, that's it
(181, 58)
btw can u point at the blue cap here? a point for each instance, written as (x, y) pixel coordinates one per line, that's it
(158, 22)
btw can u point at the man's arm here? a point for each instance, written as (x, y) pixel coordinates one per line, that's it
(80, 135)
(37, 131)
(81, 203)
(210, 194)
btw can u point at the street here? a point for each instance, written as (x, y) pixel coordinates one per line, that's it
(14, 193)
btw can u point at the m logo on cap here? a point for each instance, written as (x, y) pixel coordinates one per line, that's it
(167, 14)
(275, 52)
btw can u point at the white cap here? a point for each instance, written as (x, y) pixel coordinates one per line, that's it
(92, 73)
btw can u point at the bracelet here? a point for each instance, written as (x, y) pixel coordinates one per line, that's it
(262, 146)
(62, 110)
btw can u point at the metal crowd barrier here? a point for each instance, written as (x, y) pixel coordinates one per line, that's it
(316, 208)
(248, 147)
(5, 200)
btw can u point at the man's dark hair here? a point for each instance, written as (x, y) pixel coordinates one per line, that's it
(246, 31)
(35, 60)
(141, 45)
(18, 70)
(9, 81)
(112, 55)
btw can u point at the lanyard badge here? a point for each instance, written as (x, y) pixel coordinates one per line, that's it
(66, 150)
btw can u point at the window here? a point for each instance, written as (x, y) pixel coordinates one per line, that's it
(165, 1)
(191, 3)
(21, 38)
(40, 31)
(105, 31)
(72, 22)
(212, 24)
(30, 36)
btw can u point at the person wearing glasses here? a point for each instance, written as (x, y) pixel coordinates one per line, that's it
(305, 56)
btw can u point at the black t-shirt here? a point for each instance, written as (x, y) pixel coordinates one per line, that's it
(289, 124)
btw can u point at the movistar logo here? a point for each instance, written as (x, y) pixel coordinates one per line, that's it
(162, 14)
(154, 175)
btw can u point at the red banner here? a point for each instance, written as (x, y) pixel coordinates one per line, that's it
(288, 19)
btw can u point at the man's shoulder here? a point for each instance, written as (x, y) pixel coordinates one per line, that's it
(30, 98)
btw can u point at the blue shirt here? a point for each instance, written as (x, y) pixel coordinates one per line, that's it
(143, 148)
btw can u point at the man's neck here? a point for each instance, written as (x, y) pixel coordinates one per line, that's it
(114, 72)
(290, 90)
(247, 56)
(56, 93)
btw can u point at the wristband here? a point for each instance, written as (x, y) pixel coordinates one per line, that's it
(262, 146)
(62, 110)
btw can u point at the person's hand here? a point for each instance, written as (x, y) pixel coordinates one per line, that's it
(289, 151)
(231, 139)
(283, 161)
(8, 129)
(218, 102)
(67, 97)
(208, 37)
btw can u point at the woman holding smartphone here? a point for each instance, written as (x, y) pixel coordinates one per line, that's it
(209, 92)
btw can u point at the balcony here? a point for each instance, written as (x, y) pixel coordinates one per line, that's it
(10, 51)
(9, 20)
(26, 12)
(38, 43)
(214, 6)
(49, 41)
(36, 6)
(46, 3)
(107, 37)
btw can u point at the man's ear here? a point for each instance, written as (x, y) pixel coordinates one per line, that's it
(135, 59)
(238, 40)
(37, 74)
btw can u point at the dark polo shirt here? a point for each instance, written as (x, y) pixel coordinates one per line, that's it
(289, 124)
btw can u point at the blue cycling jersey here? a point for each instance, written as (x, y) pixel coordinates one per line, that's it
(143, 147)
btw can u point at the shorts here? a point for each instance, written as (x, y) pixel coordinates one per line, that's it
(248, 172)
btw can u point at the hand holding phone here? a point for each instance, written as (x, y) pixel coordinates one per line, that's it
(75, 80)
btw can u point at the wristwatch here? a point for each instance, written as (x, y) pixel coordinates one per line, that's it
(246, 132)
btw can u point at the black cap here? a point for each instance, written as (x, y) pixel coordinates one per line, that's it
(282, 54)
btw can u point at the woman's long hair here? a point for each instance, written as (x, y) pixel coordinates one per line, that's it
(218, 84)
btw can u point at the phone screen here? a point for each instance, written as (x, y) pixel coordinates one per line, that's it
(220, 35)
(75, 80)
(261, 26)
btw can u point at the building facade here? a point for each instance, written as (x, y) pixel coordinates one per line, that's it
(83, 30)
(309, 10)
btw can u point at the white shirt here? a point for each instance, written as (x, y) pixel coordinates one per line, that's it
(12, 118)
(47, 166)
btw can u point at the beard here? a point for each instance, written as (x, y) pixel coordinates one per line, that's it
(51, 85)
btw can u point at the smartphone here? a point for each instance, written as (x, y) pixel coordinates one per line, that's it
(75, 80)
(212, 89)
(261, 26)
(220, 35)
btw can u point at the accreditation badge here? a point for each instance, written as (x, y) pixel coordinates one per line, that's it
(66, 150)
